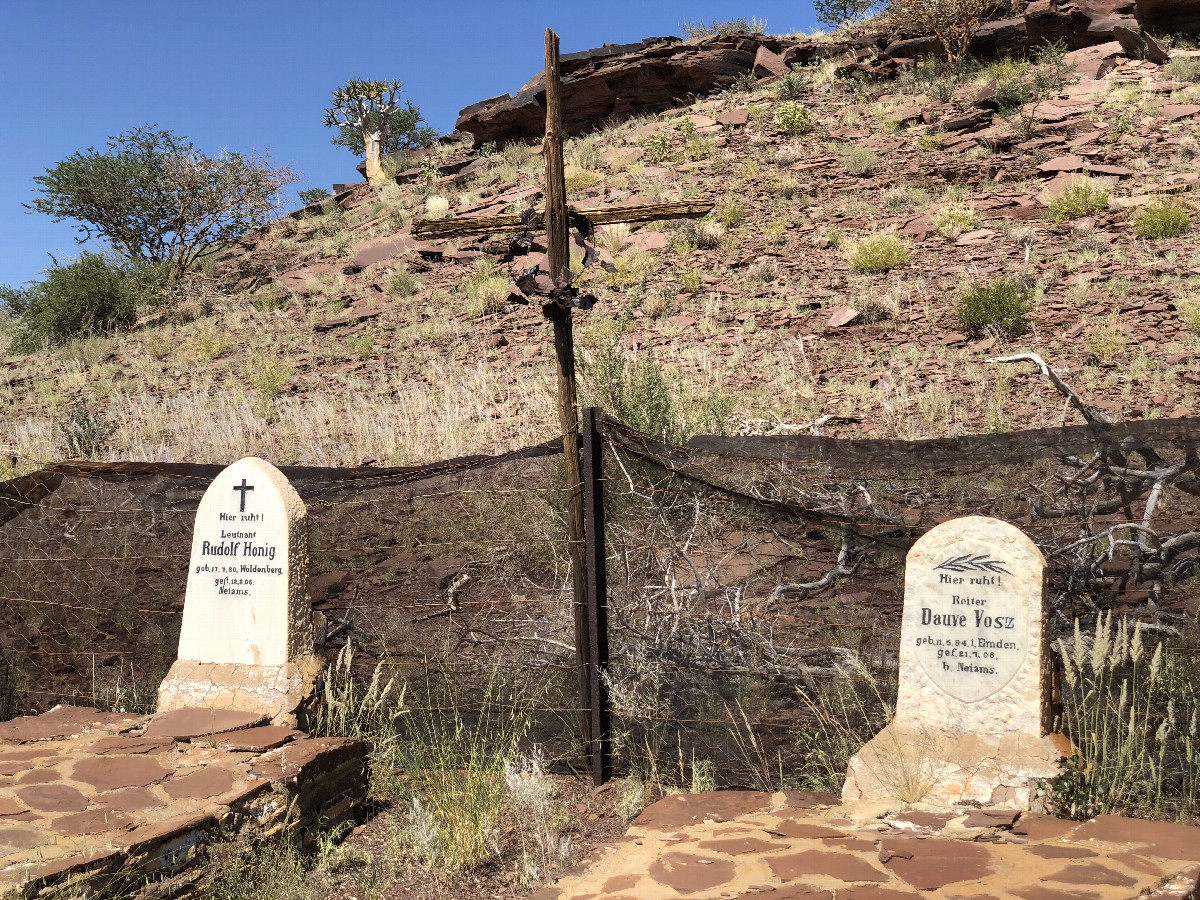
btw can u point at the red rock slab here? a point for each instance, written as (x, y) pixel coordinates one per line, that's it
(14, 839)
(10, 807)
(734, 118)
(191, 722)
(872, 892)
(120, 744)
(94, 821)
(794, 892)
(12, 763)
(208, 782)
(1059, 851)
(688, 873)
(928, 865)
(1138, 864)
(621, 882)
(923, 819)
(810, 799)
(259, 740)
(991, 818)
(1163, 839)
(1091, 873)
(1173, 111)
(738, 846)
(1040, 892)
(53, 798)
(1039, 827)
(64, 722)
(687, 809)
(108, 773)
(805, 830)
(1062, 164)
(843, 866)
(40, 776)
(132, 799)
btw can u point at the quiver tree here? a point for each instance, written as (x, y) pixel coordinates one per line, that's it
(160, 201)
(373, 121)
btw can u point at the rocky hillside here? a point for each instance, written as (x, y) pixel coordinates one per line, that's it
(882, 229)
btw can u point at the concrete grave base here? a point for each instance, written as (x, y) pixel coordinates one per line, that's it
(928, 766)
(277, 692)
(102, 804)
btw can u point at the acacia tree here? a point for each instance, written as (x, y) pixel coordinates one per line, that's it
(373, 121)
(953, 22)
(159, 200)
(836, 13)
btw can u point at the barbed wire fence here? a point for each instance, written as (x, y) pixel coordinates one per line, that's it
(754, 585)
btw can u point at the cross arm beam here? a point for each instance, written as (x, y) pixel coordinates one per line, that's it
(609, 215)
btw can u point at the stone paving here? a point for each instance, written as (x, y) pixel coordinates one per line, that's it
(87, 794)
(742, 844)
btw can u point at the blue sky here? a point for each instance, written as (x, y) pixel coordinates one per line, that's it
(256, 75)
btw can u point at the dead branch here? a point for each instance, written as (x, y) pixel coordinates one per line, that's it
(1090, 413)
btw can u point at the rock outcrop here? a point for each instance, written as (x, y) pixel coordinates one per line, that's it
(617, 81)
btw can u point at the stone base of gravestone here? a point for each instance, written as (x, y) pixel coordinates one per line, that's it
(922, 766)
(280, 692)
(973, 705)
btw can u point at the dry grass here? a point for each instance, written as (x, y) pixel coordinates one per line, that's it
(392, 421)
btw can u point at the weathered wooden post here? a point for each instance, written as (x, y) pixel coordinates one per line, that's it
(597, 592)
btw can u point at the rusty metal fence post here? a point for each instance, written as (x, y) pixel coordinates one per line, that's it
(597, 594)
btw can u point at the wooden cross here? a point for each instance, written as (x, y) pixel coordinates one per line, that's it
(557, 219)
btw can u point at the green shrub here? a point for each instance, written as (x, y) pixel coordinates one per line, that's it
(955, 218)
(793, 118)
(88, 296)
(402, 285)
(726, 26)
(792, 85)
(635, 389)
(1162, 219)
(1188, 310)
(1081, 198)
(1183, 68)
(878, 253)
(1106, 343)
(658, 147)
(313, 195)
(83, 432)
(859, 160)
(1002, 306)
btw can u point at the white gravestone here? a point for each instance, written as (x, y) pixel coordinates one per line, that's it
(246, 641)
(972, 710)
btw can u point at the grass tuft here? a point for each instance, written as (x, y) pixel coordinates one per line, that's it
(1084, 197)
(877, 253)
(1162, 219)
(1001, 307)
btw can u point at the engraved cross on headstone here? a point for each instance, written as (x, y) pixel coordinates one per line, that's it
(243, 487)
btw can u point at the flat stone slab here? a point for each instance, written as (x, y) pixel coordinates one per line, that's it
(83, 791)
(784, 845)
(193, 722)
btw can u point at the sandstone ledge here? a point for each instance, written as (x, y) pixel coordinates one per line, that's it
(113, 801)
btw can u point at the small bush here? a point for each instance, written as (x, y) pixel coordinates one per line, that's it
(362, 346)
(793, 118)
(1183, 68)
(88, 296)
(1188, 310)
(726, 26)
(731, 212)
(953, 219)
(1001, 307)
(437, 207)
(580, 180)
(83, 432)
(792, 85)
(658, 147)
(402, 285)
(268, 376)
(1162, 219)
(878, 253)
(1084, 197)
(313, 195)
(859, 160)
(1106, 343)
(487, 287)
